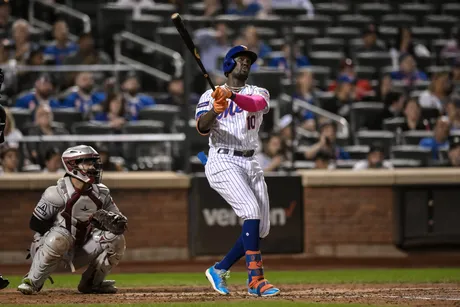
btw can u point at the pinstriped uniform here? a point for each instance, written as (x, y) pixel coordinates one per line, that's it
(239, 180)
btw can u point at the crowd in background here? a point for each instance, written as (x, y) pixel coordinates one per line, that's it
(95, 96)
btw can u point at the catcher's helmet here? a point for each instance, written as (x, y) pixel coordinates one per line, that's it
(73, 157)
(229, 60)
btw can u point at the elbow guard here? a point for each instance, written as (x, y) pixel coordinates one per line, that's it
(40, 226)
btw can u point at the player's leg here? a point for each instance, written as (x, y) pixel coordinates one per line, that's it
(231, 181)
(46, 259)
(257, 283)
(101, 253)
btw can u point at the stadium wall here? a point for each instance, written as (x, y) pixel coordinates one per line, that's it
(346, 214)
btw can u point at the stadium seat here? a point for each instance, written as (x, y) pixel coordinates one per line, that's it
(357, 152)
(306, 138)
(266, 33)
(331, 8)
(160, 9)
(374, 10)
(411, 152)
(195, 22)
(170, 38)
(320, 22)
(144, 127)
(405, 163)
(289, 11)
(393, 124)
(388, 33)
(269, 79)
(378, 60)
(345, 164)
(452, 8)
(444, 22)
(355, 21)
(427, 33)
(304, 33)
(366, 72)
(91, 128)
(22, 117)
(145, 26)
(163, 113)
(197, 9)
(398, 20)
(326, 44)
(418, 10)
(131, 150)
(362, 112)
(367, 137)
(328, 58)
(413, 137)
(197, 142)
(343, 32)
(322, 74)
(112, 19)
(430, 113)
(67, 116)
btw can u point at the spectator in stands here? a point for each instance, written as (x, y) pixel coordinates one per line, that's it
(284, 130)
(305, 91)
(212, 8)
(239, 7)
(10, 85)
(87, 54)
(9, 157)
(439, 140)
(454, 152)
(453, 112)
(452, 48)
(344, 96)
(21, 45)
(6, 24)
(62, 47)
(408, 72)
(40, 96)
(394, 105)
(53, 162)
(108, 165)
(252, 41)
(437, 93)
(212, 44)
(370, 44)
(27, 79)
(324, 160)
(282, 63)
(327, 143)
(405, 44)
(272, 156)
(83, 97)
(375, 159)
(113, 111)
(11, 133)
(384, 87)
(347, 68)
(413, 116)
(134, 99)
(44, 125)
(176, 93)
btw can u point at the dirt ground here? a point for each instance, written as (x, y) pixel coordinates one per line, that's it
(408, 295)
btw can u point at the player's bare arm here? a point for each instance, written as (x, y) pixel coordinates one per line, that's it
(206, 121)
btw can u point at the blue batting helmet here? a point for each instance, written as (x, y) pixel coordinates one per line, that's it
(229, 60)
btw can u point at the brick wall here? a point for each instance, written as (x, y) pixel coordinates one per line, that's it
(338, 216)
(157, 217)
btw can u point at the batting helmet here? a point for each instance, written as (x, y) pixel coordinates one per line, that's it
(229, 60)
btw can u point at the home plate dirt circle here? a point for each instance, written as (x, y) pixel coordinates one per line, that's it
(382, 294)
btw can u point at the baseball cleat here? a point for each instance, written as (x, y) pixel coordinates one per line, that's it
(260, 291)
(26, 287)
(3, 282)
(218, 279)
(106, 287)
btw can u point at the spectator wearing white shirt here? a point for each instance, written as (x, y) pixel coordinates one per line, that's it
(438, 92)
(375, 160)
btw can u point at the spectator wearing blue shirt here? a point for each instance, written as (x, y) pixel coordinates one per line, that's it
(62, 47)
(305, 91)
(113, 111)
(327, 143)
(252, 41)
(212, 44)
(135, 101)
(83, 98)
(440, 138)
(281, 61)
(408, 72)
(238, 7)
(40, 96)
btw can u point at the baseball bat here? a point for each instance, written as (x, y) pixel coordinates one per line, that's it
(177, 20)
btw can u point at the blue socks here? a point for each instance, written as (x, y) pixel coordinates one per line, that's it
(248, 240)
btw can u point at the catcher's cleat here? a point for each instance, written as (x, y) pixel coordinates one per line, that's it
(3, 282)
(218, 279)
(106, 287)
(26, 287)
(263, 288)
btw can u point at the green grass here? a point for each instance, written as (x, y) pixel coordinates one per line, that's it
(444, 275)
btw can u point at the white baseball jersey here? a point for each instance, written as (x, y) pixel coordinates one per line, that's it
(239, 180)
(235, 128)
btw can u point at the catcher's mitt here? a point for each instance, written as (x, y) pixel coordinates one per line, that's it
(109, 221)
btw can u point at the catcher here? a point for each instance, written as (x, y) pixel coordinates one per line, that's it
(76, 222)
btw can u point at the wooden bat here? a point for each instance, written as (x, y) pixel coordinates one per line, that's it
(177, 20)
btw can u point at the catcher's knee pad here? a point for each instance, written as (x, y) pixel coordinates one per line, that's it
(58, 241)
(114, 245)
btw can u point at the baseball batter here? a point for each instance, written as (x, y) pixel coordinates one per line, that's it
(231, 116)
(64, 223)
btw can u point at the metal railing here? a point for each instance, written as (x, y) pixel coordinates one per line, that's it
(59, 9)
(176, 57)
(300, 104)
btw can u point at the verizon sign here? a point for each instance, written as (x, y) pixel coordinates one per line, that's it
(214, 226)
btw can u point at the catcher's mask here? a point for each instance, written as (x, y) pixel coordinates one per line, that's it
(84, 163)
